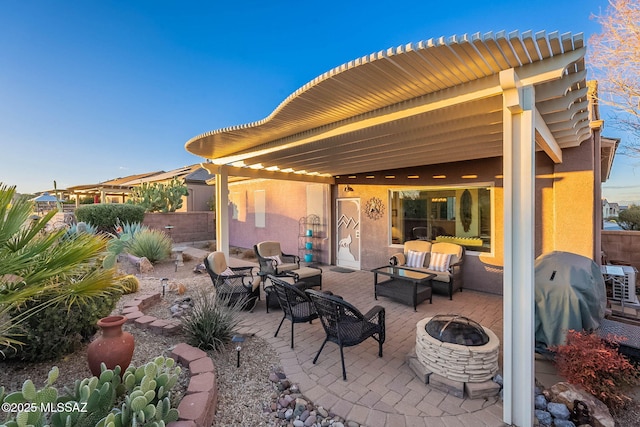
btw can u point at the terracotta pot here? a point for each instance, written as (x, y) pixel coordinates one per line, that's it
(114, 347)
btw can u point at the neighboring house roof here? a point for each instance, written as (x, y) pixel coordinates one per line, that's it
(124, 184)
(431, 102)
(199, 175)
(127, 179)
(165, 176)
(608, 147)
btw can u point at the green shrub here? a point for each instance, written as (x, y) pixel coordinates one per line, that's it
(596, 365)
(629, 219)
(105, 217)
(155, 245)
(212, 320)
(60, 328)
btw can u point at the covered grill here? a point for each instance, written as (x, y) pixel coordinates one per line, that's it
(570, 294)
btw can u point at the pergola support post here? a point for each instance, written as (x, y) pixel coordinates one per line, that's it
(519, 235)
(222, 210)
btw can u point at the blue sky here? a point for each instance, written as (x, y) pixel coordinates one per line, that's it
(95, 90)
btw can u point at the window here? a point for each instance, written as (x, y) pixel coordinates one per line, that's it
(456, 214)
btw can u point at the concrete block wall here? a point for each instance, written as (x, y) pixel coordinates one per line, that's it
(187, 226)
(623, 246)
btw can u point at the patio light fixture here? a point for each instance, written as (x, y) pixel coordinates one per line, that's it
(164, 282)
(239, 339)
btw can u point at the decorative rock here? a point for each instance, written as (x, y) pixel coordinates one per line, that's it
(289, 408)
(563, 423)
(544, 418)
(558, 410)
(540, 402)
(145, 266)
(566, 393)
(498, 379)
(288, 414)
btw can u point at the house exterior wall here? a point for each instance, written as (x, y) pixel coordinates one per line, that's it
(564, 215)
(199, 198)
(285, 203)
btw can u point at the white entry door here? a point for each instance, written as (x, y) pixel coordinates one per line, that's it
(348, 230)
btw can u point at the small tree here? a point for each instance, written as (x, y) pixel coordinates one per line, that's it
(629, 219)
(615, 58)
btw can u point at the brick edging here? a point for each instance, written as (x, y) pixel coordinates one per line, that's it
(198, 407)
(133, 311)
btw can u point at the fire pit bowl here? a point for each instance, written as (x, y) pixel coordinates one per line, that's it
(456, 329)
(472, 357)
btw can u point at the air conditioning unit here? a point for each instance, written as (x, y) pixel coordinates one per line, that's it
(626, 291)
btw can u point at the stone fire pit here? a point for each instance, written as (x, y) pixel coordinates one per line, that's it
(457, 362)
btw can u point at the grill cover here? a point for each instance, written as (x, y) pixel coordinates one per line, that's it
(456, 329)
(570, 294)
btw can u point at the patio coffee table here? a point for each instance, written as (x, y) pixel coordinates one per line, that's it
(404, 285)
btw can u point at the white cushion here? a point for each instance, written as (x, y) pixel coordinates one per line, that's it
(439, 262)
(227, 272)
(276, 258)
(416, 259)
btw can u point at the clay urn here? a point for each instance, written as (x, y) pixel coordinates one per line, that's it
(114, 346)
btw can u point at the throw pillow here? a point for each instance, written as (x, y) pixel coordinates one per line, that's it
(227, 272)
(415, 259)
(439, 262)
(276, 258)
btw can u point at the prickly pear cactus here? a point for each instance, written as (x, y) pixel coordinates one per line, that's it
(147, 402)
(33, 402)
(91, 401)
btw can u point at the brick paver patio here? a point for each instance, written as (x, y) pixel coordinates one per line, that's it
(378, 391)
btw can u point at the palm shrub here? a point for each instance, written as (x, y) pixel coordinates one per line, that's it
(212, 321)
(40, 269)
(155, 245)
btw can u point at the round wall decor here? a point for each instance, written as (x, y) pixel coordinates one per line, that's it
(374, 208)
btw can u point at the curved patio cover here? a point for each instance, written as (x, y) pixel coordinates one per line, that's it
(431, 102)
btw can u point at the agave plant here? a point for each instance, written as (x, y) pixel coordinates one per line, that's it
(155, 245)
(43, 266)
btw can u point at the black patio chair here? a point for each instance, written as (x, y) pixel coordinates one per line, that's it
(345, 325)
(234, 283)
(295, 304)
